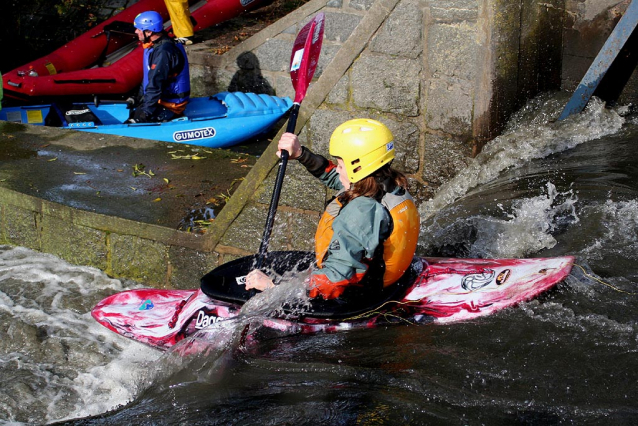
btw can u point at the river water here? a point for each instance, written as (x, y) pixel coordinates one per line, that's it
(569, 357)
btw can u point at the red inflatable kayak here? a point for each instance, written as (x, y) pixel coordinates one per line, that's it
(108, 58)
(434, 290)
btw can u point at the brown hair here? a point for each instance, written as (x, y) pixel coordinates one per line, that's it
(373, 186)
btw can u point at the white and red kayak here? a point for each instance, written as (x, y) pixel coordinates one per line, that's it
(439, 290)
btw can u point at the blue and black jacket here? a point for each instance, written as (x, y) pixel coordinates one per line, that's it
(166, 75)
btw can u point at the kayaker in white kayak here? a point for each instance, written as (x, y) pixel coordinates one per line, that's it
(368, 233)
(165, 90)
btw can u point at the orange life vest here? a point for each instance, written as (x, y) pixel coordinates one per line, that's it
(398, 248)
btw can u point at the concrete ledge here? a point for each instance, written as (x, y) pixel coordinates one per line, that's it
(122, 248)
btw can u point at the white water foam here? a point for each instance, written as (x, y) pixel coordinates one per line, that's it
(56, 362)
(525, 230)
(526, 139)
(618, 230)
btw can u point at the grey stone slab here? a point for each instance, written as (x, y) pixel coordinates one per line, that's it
(339, 95)
(328, 53)
(452, 51)
(444, 158)
(76, 244)
(449, 106)
(407, 143)
(188, 266)
(402, 33)
(339, 26)
(140, 259)
(454, 10)
(283, 86)
(361, 4)
(300, 189)
(302, 231)
(387, 84)
(274, 54)
(20, 227)
(247, 230)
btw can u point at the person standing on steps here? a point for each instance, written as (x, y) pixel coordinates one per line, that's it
(367, 236)
(165, 89)
(181, 20)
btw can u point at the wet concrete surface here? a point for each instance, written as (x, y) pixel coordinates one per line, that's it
(152, 182)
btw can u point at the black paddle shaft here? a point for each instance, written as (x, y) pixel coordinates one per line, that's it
(274, 202)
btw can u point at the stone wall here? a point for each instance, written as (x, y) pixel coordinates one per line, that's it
(443, 75)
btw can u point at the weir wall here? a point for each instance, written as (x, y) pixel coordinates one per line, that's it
(443, 75)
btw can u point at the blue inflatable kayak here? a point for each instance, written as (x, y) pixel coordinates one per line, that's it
(219, 121)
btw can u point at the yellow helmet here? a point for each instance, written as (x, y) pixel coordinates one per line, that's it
(364, 145)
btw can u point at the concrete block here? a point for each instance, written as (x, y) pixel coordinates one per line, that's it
(402, 33)
(271, 54)
(407, 142)
(139, 259)
(449, 106)
(249, 77)
(300, 189)
(322, 124)
(339, 95)
(361, 4)
(283, 86)
(452, 51)
(393, 86)
(21, 227)
(201, 78)
(188, 266)
(454, 10)
(340, 25)
(444, 158)
(76, 244)
(246, 231)
(328, 53)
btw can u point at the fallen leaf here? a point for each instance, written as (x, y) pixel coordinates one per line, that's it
(53, 159)
(157, 199)
(79, 173)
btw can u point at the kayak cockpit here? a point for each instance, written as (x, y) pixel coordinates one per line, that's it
(227, 283)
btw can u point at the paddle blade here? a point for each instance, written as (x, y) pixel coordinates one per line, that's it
(305, 55)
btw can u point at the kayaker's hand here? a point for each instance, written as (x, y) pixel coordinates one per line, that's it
(289, 142)
(140, 116)
(130, 103)
(258, 280)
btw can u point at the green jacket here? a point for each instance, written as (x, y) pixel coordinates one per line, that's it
(359, 228)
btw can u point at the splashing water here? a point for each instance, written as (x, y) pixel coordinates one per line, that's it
(50, 347)
(527, 138)
(526, 230)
